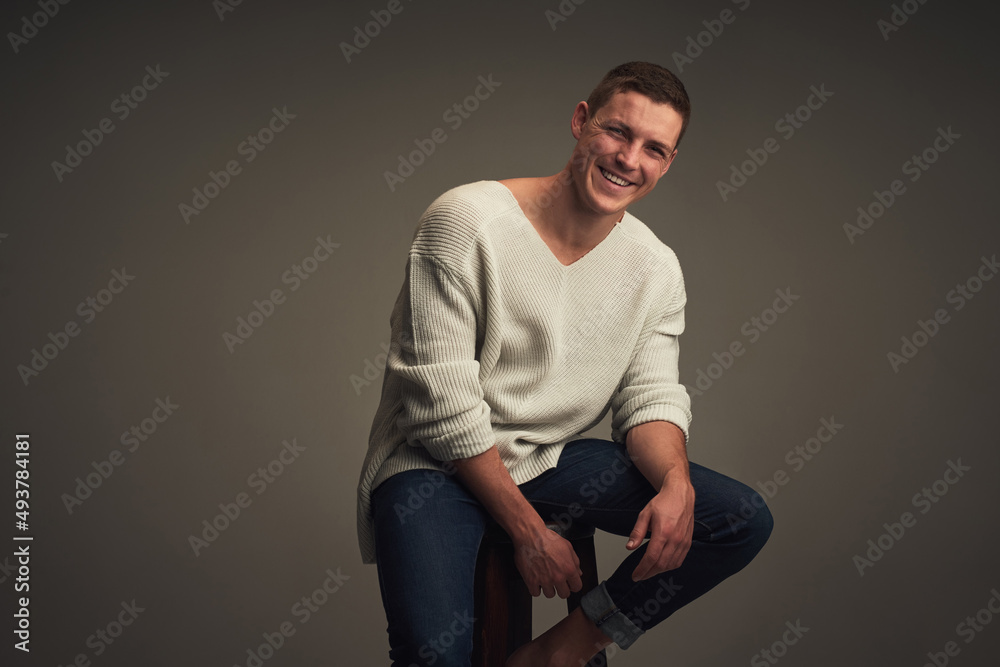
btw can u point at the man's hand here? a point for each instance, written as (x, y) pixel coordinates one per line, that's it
(669, 518)
(547, 562)
(658, 450)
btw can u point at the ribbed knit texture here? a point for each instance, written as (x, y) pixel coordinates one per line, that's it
(496, 342)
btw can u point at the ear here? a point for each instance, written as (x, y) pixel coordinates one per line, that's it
(669, 162)
(581, 114)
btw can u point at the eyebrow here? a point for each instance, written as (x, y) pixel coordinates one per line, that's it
(625, 126)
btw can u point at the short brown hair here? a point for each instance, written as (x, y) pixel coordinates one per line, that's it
(655, 82)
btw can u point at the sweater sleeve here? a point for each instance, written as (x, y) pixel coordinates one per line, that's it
(434, 356)
(650, 389)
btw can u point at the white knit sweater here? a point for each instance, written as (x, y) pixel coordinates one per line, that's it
(496, 342)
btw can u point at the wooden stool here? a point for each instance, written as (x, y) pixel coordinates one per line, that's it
(502, 600)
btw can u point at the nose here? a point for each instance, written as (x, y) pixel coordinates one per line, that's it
(628, 156)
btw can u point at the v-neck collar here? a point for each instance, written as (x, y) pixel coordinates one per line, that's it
(608, 240)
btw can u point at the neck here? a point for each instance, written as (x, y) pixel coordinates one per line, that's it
(565, 216)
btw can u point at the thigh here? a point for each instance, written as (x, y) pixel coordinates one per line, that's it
(595, 482)
(427, 534)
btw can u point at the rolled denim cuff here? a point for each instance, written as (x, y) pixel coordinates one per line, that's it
(598, 606)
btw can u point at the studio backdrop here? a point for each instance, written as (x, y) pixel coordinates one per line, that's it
(207, 208)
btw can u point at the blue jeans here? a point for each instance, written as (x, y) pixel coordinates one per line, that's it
(428, 528)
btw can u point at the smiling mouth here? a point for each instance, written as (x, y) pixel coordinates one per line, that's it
(617, 180)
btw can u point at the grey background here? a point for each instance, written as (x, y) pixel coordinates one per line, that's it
(323, 176)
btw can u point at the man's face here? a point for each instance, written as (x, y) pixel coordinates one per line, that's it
(631, 139)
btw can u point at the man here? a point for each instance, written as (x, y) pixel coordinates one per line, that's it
(529, 308)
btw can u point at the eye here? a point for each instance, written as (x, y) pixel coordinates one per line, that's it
(617, 130)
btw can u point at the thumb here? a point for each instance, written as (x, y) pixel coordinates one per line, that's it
(638, 532)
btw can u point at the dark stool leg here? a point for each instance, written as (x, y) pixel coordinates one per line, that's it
(584, 548)
(503, 606)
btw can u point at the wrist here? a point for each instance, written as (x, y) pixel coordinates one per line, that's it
(676, 482)
(525, 527)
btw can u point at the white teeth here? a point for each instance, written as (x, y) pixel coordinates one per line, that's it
(614, 179)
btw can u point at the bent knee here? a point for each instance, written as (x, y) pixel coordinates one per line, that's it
(763, 525)
(748, 517)
(756, 526)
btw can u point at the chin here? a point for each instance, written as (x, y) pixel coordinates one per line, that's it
(610, 208)
(609, 204)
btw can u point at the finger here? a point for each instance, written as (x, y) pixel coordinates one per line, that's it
(654, 548)
(576, 582)
(680, 555)
(641, 570)
(639, 531)
(676, 550)
(549, 591)
(669, 560)
(562, 589)
(672, 557)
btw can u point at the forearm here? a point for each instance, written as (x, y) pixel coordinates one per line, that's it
(658, 450)
(486, 477)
